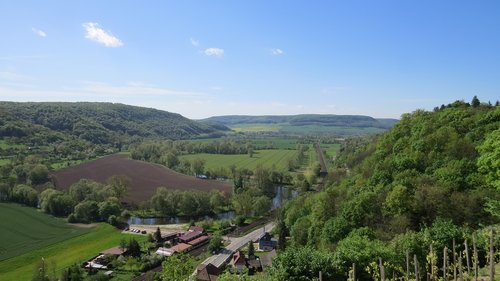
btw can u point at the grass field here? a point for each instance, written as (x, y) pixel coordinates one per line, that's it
(25, 229)
(266, 158)
(286, 128)
(64, 253)
(257, 127)
(5, 145)
(330, 149)
(4, 161)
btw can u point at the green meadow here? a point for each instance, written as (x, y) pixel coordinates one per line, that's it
(28, 235)
(267, 158)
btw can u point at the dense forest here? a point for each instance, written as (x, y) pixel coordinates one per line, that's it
(305, 119)
(431, 181)
(98, 123)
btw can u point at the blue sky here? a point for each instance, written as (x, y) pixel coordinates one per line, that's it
(204, 58)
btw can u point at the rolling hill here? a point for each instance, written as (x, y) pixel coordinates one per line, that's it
(144, 177)
(325, 124)
(97, 122)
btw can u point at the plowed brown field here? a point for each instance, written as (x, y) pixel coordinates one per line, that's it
(145, 177)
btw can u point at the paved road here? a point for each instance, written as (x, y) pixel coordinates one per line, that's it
(236, 244)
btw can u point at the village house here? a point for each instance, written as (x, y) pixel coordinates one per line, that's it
(207, 272)
(267, 242)
(238, 262)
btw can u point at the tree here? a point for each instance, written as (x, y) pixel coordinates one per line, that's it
(25, 195)
(119, 184)
(251, 250)
(87, 211)
(109, 208)
(242, 203)
(177, 267)
(171, 160)
(38, 174)
(304, 264)
(123, 244)
(215, 243)
(475, 102)
(72, 273)
(157, 235)
(133, 247)
(261, 205)
(489, 159)
(197, 166)
(263, 181)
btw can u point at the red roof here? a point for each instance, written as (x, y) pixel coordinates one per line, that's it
(199, 240)
(180, 247)
(113, 251)
(238, 258)
(190, 235)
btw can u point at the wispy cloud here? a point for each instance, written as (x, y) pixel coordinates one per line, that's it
(277, 52)
(215, 52)
(194, 42)
(12, 76)
(97, 34)
(39, 32)
(134, 88)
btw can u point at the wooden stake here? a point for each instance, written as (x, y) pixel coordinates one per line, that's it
(445, 259)
(432, 263)
(460, 269)
(407, 265)
(475, 256)
(382, 269)
(354, 271)
(416, 266)
(467, 257)
(454, 261)
(320, 276)
(492, 257)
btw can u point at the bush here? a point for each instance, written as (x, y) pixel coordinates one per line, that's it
(113, 220)
(72, 218)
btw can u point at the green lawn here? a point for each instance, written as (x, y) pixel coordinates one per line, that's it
(266, 158)
(71, 245)
(25, 229)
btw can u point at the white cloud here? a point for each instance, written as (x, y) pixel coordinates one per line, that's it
(39, 32)
(95, 33)
(194, 42)
(216, 52)
(277, 52)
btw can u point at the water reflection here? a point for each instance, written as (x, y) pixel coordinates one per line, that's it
(283, 194)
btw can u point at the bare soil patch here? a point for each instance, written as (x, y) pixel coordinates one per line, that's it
(145, 177)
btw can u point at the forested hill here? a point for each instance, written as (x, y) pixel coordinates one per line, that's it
(97, 122)
(432, 178)
(305, 119)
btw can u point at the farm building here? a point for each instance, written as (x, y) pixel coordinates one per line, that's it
(181, 247)
(192, 233)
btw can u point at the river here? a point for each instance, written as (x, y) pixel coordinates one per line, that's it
(283, 194)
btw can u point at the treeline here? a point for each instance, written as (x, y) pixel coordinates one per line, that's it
(431, 179)
(98, 123)
(167, 202)
(85, 201)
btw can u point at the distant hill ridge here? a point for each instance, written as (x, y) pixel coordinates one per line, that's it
(305, 119)
(98, 122)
